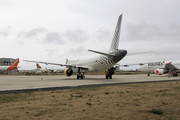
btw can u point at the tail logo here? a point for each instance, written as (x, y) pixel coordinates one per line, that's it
(15, 62)
(13, 65)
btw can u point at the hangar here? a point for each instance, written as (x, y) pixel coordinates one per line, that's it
(7, 62)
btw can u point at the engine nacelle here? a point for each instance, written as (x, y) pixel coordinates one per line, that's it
(159, 71)
(68, 72)
(111, 71)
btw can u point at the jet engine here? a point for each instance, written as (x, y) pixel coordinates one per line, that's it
(68, 72)
(159, 71)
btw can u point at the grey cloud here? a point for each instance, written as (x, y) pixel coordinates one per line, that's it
(149, 31)
(79, 50)
(52, 52)
(102, 34)
(173, 30)
(5, 31)
(33, 32)
(54, 37)
(142, 31)
(77, 35)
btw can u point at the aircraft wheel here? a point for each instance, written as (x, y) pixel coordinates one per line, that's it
(106, 76)
(175, 75)
(77, 76)
(81, 76)
(110, 76)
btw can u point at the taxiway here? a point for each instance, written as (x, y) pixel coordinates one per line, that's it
(26, 83)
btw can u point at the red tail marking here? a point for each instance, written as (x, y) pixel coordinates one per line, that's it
(170, 62)
(13, 65)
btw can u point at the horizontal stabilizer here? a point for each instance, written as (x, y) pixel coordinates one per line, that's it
(140, 53)
(106, 54)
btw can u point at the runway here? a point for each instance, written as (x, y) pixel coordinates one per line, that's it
(16, 84)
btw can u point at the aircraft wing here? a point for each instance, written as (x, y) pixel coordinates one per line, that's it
(139, 53)
(171, 67)
(137, 63)
(48, 63)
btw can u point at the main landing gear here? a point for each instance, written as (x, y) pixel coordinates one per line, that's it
(148, 73)
(110, 72)
(109, 76)
(80, 74)
(174, 74)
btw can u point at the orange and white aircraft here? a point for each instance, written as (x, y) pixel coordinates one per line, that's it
(11, 67)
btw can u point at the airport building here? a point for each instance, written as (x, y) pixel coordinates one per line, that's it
(7, 62)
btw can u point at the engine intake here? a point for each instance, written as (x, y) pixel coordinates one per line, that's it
(68, 72)
(159, 71)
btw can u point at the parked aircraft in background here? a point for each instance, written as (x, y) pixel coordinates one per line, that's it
(37, 70)
(58, 70)
(40, 70)
(13, 66)
(161, 68)
(104, 62)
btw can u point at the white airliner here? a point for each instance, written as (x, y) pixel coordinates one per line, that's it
(103, 62)
(11, 67)
(161, 68)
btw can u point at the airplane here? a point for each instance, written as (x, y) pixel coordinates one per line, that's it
(58, 70)
(40, 70)
(103, 62)
(161, 68)
(37, 70)
(11, 67)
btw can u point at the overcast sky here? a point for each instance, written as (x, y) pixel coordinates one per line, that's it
(53, 30)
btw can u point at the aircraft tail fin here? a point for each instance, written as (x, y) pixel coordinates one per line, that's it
(13, 65)
(106, 54)
(115, 41)
(38, 66)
